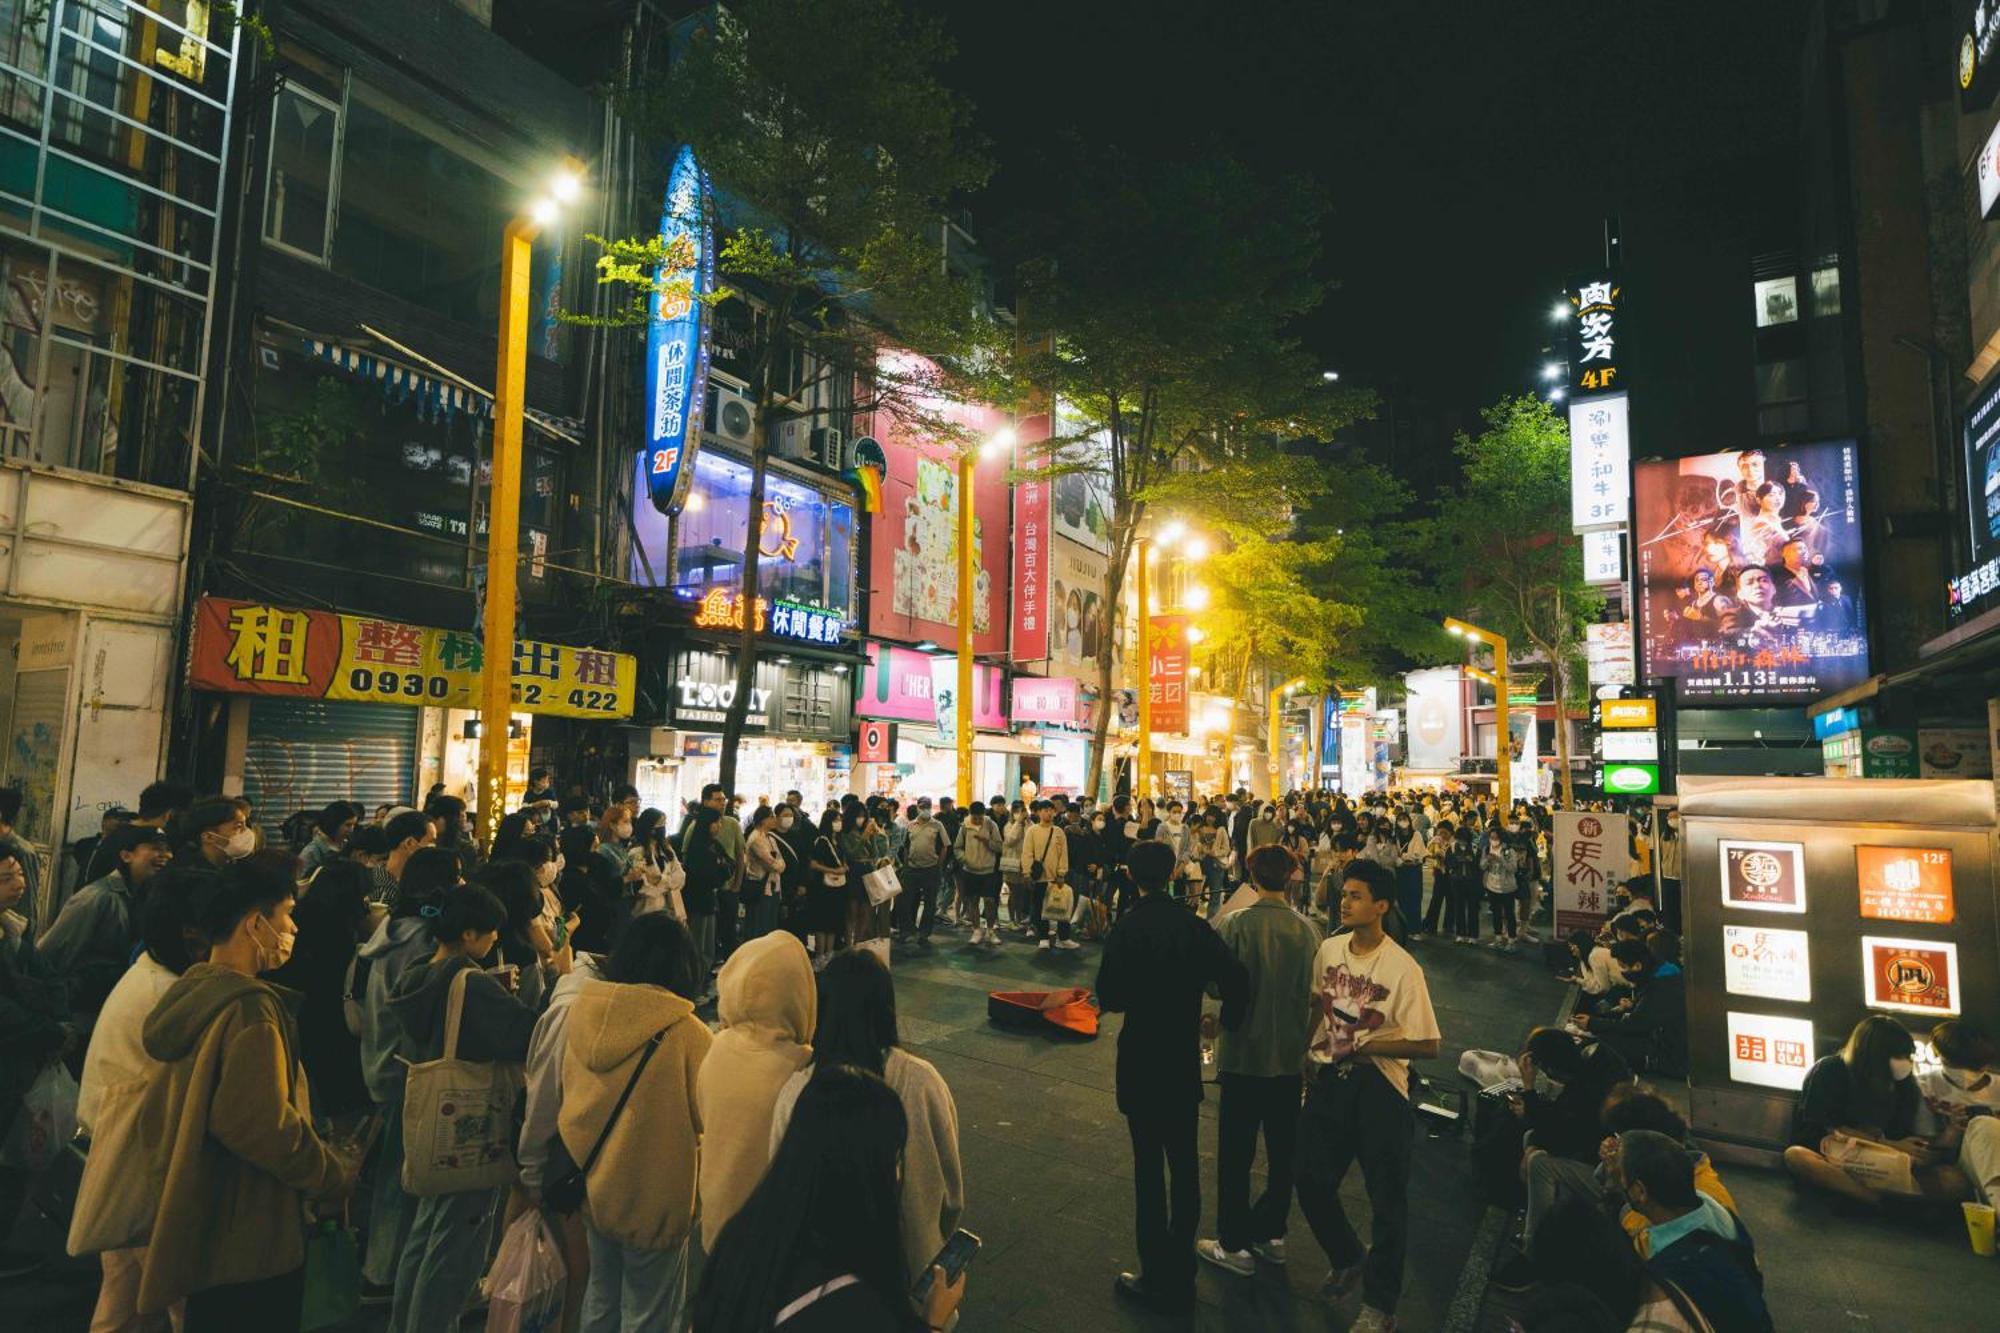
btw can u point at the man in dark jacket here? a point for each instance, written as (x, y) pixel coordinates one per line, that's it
(1158, 962)
(91, 940)
(1650, 1033)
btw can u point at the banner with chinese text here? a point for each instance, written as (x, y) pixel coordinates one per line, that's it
(252, 648)
(1591, 856)
(1168, 678)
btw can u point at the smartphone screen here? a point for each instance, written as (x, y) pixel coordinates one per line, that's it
(953, 1258)
(562, 931)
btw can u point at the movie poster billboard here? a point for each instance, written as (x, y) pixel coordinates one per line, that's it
(1750, 573)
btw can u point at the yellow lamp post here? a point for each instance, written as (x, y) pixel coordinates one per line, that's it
(1504, 779)
(503, 506)
(1286, 690)
(968, 464)
(1142, 764)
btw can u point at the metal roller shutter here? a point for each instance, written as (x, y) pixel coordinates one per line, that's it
(303, 753)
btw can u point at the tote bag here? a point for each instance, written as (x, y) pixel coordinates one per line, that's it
(458, 1116)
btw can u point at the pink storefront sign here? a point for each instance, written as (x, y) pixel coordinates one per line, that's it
(1045, 699)
(897, 685)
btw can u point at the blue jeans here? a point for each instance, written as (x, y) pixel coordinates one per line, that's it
(442, 1260)
(633, 1290)
(1218, 883)
(389, 1208)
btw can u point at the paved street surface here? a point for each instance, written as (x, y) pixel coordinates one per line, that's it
(1049, 1181)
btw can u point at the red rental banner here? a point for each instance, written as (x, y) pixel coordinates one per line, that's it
(1167, 680)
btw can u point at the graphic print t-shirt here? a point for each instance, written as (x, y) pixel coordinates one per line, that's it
(1377, 996)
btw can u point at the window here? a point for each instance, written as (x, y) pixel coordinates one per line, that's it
(1777, 301)
(1826, 289)
(302, 184)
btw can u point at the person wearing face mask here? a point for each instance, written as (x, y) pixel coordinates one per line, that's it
(447, 1245)
(1556, 1132)
(1866, 1092)
(1174, 832)
(214, 834)
(1962, 1092)
(797, 833)
(235, 1120)
(827, 878)
(1651, 1034)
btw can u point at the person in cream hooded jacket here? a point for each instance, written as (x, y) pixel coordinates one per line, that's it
(768, 1004)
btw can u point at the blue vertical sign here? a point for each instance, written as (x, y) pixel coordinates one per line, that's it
(677, 335)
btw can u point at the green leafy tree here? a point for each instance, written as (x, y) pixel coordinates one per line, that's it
(1158, 311)
(1503, 546)
(837, 186)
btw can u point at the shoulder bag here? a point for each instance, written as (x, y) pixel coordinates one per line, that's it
(458, 1115)
(565, 1182)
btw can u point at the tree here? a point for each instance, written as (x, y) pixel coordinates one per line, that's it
(1157, 305)
(1502, 544)
(834, 189)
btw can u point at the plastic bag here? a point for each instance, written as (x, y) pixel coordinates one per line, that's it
(45, 1122)
(333, 1275)
(524, 1288)
(882, 884)
(1487, 1068)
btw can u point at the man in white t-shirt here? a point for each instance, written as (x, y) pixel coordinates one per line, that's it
(1371, 1016)
(1963, 1093)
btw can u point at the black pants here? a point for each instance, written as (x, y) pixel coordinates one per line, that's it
(1501, 907)
(920, 889)
(1434, 915)
(237, 1307)
(1163, 1144)
(1038, 894)
(1358, 1117)
(1249, 1104)
(726, 930)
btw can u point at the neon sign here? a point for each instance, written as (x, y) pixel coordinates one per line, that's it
(720, 608)
(678, 335)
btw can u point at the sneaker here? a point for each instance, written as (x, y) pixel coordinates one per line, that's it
(1238, 1262)
(1270, 1251)
(1515, 1274)
(1373, 1320)
(1497, 942)
(1044, 944)
(1416, 934)
(374, 1296)
(1067, 944)
(1340, 1283)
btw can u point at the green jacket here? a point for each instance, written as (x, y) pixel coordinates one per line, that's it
(1276, 946)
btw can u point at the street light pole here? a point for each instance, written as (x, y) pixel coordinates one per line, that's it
(503, 526)
(1503, 775)
(1142, 766)
(1277, 761)
(968, 463)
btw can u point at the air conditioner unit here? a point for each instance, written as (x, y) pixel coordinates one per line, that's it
(734, 417)
(829, 448)
(792, 438)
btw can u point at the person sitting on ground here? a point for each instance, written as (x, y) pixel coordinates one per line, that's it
(1963, 1094)
(1635, 1106)
(1866, 1093)
(1565, 1080)
(818, 1247)
(1594, 971)
(1652, 1034)
(1690, 1239)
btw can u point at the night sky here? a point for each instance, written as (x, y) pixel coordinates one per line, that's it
(1472, 149)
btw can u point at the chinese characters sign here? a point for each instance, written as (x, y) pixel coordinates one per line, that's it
(1595, 365)
(1905, 884)
(1763, 876)
(1916, 976)
(1167, 676)
(251, 648)
(1031, 566)
(1600, 460)
(1769, 1051)
(1765, 962)
(719, 608)
(677, 335)
(1590, 859)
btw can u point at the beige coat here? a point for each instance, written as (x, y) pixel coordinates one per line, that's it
(769, 1005)
(641, 1192)
(1048, 845)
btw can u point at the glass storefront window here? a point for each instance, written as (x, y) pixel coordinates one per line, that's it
(807, 546)
(298, 203)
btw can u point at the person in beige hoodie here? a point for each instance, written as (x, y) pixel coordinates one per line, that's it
(637, 1029)
(768, 1006)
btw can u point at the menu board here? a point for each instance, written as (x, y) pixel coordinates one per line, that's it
(1766, 962)
(1769, 1051)
(1763, 876)
(1915, 976)
(1905, 884)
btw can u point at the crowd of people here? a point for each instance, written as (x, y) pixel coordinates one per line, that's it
(687, 1023)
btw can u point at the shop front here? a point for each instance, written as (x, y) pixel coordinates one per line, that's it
(913, 690)
(324, 706)
(796, 734)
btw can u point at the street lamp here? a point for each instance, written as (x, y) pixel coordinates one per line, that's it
(503, 505)
(1559, 312)
(1330, 376)
(1551, 370)
(1503, 781)
(1000, 442)
(1285, 690)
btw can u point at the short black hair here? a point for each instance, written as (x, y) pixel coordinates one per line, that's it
(171, 909)
(1963, 1044)
(1633, 953)
(1151, 864)
(1556, 1051)
(429, 871)
(204, 815)
(163, 798)
(656, 950)
(625, 792)
(368, 840)
(514, 885)
(1636, 1106)
(409, 824)
(334, 815)
(857, 1012)
(1271, 866)
(1660, 1164)
(713, 789)
(467, 907)
(237, 890)
(1376, 877)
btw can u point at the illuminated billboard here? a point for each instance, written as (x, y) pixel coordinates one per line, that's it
(1750, 573)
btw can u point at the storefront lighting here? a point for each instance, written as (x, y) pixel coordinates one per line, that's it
(927, 645)
(782, 659)
(840, 668)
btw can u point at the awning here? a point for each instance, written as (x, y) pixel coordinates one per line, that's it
(983, 742)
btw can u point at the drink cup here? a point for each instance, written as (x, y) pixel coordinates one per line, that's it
(1979, 1226)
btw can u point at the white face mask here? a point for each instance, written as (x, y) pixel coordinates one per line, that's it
(277, 951)
(1901, 1069)
(621, 831)
(784, 821)
(241, 843)
(1546, 1086)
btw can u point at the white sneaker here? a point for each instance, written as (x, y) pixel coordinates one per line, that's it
(1270, 1251)
(1238, 1262)
(1066, 944)
(1044, 944)
(1372, 1320)
(978, 936)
